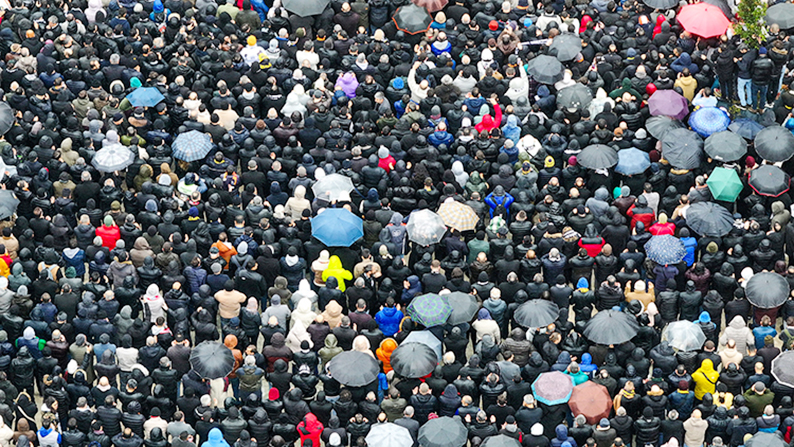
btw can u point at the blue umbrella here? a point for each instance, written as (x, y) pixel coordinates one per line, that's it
(632, 161)
(337, 227)
(665, 249)
(708, 120)
(747, 128)
(145, 97)
(191, 146)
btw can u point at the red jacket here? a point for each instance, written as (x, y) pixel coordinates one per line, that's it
(646, 218)
(490, 123)
(310, 428)
(109, 236)
(659, 229)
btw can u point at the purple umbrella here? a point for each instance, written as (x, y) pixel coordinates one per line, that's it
(668, 103)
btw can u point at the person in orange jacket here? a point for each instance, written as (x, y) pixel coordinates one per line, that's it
(384, 352)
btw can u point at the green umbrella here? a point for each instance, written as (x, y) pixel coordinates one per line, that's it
(429, 310)
(724, 184)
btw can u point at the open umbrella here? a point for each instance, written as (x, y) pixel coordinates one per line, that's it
(458, 216)
(500, 441)
(576, 96)
(305, 8)
(661, 4)
(684, 335)
(709, 120)
(764, 439)
(389, 435)
(783, 368)
(8, 203)
(709, 219)
(682, 148)
(658, 126)
(429, 310)
(353, 368)
(6, 118)
(212, 360)
(425, 338)
(668, 103)
(704, 20)
(567, 46)
(545, 69)
(431, 5)
(724, 184)
(464, 307)
(191, 146)
(413, 360)
(333, 187)
(665, 249)
(591, 400)
(723, 5)
(725, 146)
(536, 313)
(337, 227)
(443, 432)
(411, 19)
(425, 227)
(632, 161)
(768, 180)
(597, 156)
(114, 157)
(767, 290)
(145, 97)
(611, 327)
(552, 388)
(775, 143)
(782, 14)
(746, 128)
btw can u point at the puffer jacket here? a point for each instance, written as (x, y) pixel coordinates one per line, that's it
(738, 331)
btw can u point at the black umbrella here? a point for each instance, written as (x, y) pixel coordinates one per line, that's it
(6, 118)
(305, 8)
(443, 432)
(767, 290)
(768, 180)
(661, 4)
(212, 360)
(576, 96)
(353, 368)
(464, 307)
(682, 148)
(611, 327)
(566, 45)
(412, 19)
(545, 69)
(783, 368)
(709, 219)
(775, 143)
(725, 146)
(536, 313)
(745, 127)
(658, 126)
(413, 360)
(723, 5)
(597, 156)
(782, 14)
(8, 203)
(764, 439)
(500, 441)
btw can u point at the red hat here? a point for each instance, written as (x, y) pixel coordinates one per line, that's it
(749, 161)
(654, 156)
(493, 25)
(650, 88)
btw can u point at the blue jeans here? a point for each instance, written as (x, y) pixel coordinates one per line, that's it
(744, 91)
(759, 95)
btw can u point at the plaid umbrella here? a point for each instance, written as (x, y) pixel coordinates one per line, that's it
(553, 388)
(191, 146)
(668, 103)
(425, 227)
(724, 184)
(429, 310)
(145, 97)
(458, 216)
(709, 120)
(114, 157)
(665, 249)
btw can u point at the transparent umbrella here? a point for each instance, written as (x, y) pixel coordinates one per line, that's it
(389, 435)
(333, 187)
(425, 227)
(684, 335)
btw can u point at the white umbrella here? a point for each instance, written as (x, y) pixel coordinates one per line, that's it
(334, 187)
(425, 227)
(389, 435)
(684, 335)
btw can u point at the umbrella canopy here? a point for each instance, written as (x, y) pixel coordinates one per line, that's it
(709, 120)
(767, 290)
(665, 249)
(353, 368)
(668, 103)
(658, 126)
(458, 216)
(545, 69)
(725, 146)
(425, 338)
(724, 184)
(114, 157)
(684, 335)
(682, 148)
(443, 432)
(611, 327)
(553, 388)
(576, 96)
(411, 19)
(775, 143)
(632, 161)
(567, 46)
(6, 118)
(597, 156)
(709, 219)
(536, 313)
(333, 187)
(425, 227)
(500, 441)
(723, 5)
(768, 180)
(783, 368)
(429, 310)
(305, 8)
(431, 5)
(191, 146)
(413, 360)
(212, 360)
(8, 203)
(337, 227)
(145, 97)
(782, 14)
(389, 435)
(464, 307)
(591, 400)
(661, 4)
(746, 128)
(704, 20)
(764, 439)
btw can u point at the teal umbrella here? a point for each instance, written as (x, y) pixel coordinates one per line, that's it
(429, 310)
(724, 184)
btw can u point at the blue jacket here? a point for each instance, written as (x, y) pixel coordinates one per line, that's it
(494, 201)
(562, 437)
(690, 244)
(683, 403)
(440, 137)
(762, 331)
(389, 319)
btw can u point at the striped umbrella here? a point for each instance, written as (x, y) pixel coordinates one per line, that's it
(191, 146)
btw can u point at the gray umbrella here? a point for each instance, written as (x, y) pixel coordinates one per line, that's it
(443, 432)
(682, 148)
(8, 203)
(782, 14)
(576, 96)
(725, 146)
(305, 8)
(658, 126)
(413, 360)
(353, 368)
(774, 144)
(6, 117)
(597, 156)
(545, 69)
(464, 307)
(709, 219)
(567, 46)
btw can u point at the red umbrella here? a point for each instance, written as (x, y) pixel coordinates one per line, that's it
(431, 5)
(590, 400)
(704, 20)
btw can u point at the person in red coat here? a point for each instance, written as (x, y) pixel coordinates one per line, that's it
(310, 428)
(641, 212)
(662, 226)
(109, 232)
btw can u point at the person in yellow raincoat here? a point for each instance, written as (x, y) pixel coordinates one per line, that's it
(336, 270)
(705, 379)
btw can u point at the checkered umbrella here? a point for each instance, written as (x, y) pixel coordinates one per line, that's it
(458, 216)
(113, 158)
(709, 120)
(665, 249)
(429, 310)
(191, 146)
(553, 388)
(425, 227)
